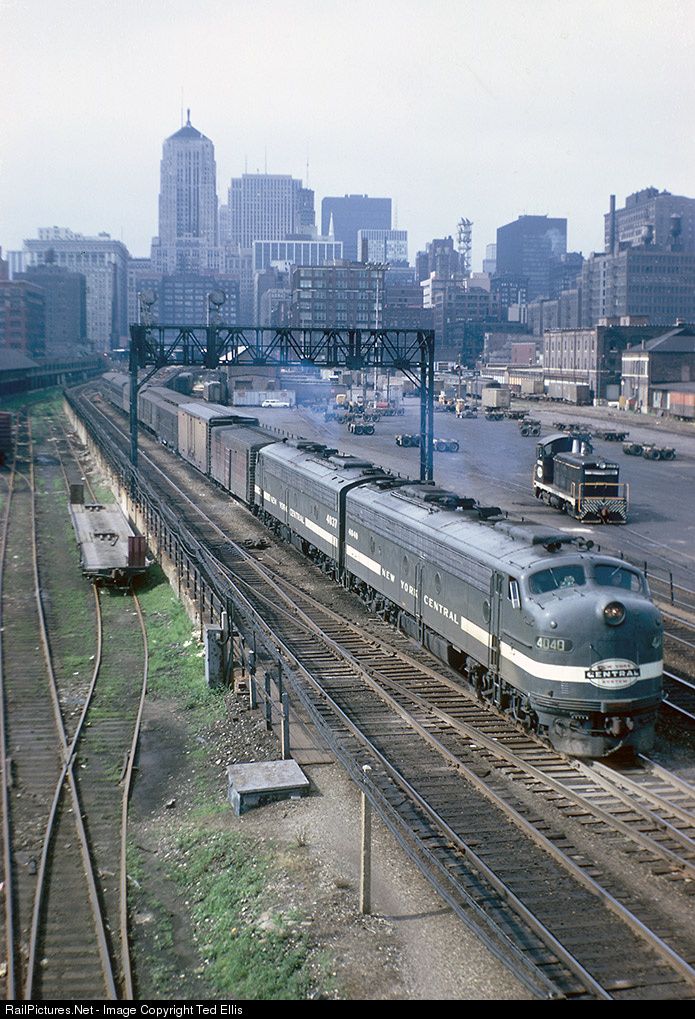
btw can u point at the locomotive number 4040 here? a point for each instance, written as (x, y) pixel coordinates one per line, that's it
(553, 644)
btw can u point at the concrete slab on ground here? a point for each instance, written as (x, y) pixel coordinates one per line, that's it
(250, 785)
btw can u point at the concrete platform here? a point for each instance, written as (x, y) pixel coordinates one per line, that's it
(251, 785)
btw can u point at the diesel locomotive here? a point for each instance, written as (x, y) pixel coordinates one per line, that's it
(567, 641)
(569, 476)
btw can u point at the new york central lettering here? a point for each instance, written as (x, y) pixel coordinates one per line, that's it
(441, 609)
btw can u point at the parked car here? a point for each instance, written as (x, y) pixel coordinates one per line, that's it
(275, 403)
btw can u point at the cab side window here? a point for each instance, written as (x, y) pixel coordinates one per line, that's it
(513, 593)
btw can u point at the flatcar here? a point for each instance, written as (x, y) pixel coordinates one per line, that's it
(571, 478)
(566, 641)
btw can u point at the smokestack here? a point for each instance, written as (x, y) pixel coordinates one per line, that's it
(611, 226)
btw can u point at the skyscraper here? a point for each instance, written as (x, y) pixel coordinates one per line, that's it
(528, 247)
(268, 207)
(350, 214)
(383, 246)
(188, 212)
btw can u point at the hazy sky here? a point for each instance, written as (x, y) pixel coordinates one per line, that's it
(480, 108)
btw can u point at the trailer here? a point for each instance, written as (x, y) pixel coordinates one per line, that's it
(649, 451)
(446, 446)
(359, 426)
(570, 392)
(496, 397)
(610, 435)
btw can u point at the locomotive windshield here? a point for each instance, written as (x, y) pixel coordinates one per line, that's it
(604, 574)
(555, 578)
(617, 576)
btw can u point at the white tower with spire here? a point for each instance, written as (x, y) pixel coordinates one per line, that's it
(188, 210)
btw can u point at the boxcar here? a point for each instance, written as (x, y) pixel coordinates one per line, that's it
(196, 423)
(233, 457)
(158, 409)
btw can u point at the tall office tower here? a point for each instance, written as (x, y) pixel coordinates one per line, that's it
(383, 246)
(651, 217)
(268, 207)
(528, 248)
(104, 264)
(490, 260)
(188, 213)
(343, 217)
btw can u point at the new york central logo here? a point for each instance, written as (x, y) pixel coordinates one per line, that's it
(613, 673)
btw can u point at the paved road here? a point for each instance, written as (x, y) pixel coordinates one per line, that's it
(495, 466)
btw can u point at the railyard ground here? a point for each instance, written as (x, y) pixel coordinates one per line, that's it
(266, 905)
(229, 899)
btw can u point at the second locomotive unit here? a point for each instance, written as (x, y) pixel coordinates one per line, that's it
(565, 640)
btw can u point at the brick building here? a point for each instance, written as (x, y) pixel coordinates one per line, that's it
(654, 365)
(22, 318)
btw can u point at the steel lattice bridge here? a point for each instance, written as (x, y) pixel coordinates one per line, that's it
(409, 351)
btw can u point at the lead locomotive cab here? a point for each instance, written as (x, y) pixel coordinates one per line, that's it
(570, 477)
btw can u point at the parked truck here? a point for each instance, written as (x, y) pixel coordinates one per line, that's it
(496, 397)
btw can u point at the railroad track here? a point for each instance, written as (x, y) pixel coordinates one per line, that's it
(441, 761)
(679, 677)
(66, 735)
(661, 818)
(432, 775)
(679, 696)
(680, 631)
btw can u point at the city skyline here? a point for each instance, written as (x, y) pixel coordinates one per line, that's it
(457, 111)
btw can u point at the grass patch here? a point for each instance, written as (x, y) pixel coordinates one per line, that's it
(49, 399)
(250, 952)
(246, 944)
(177, 668)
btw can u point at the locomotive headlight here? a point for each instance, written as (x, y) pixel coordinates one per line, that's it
(614, 613)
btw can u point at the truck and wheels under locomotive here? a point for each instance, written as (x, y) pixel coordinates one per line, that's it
(565, 640)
